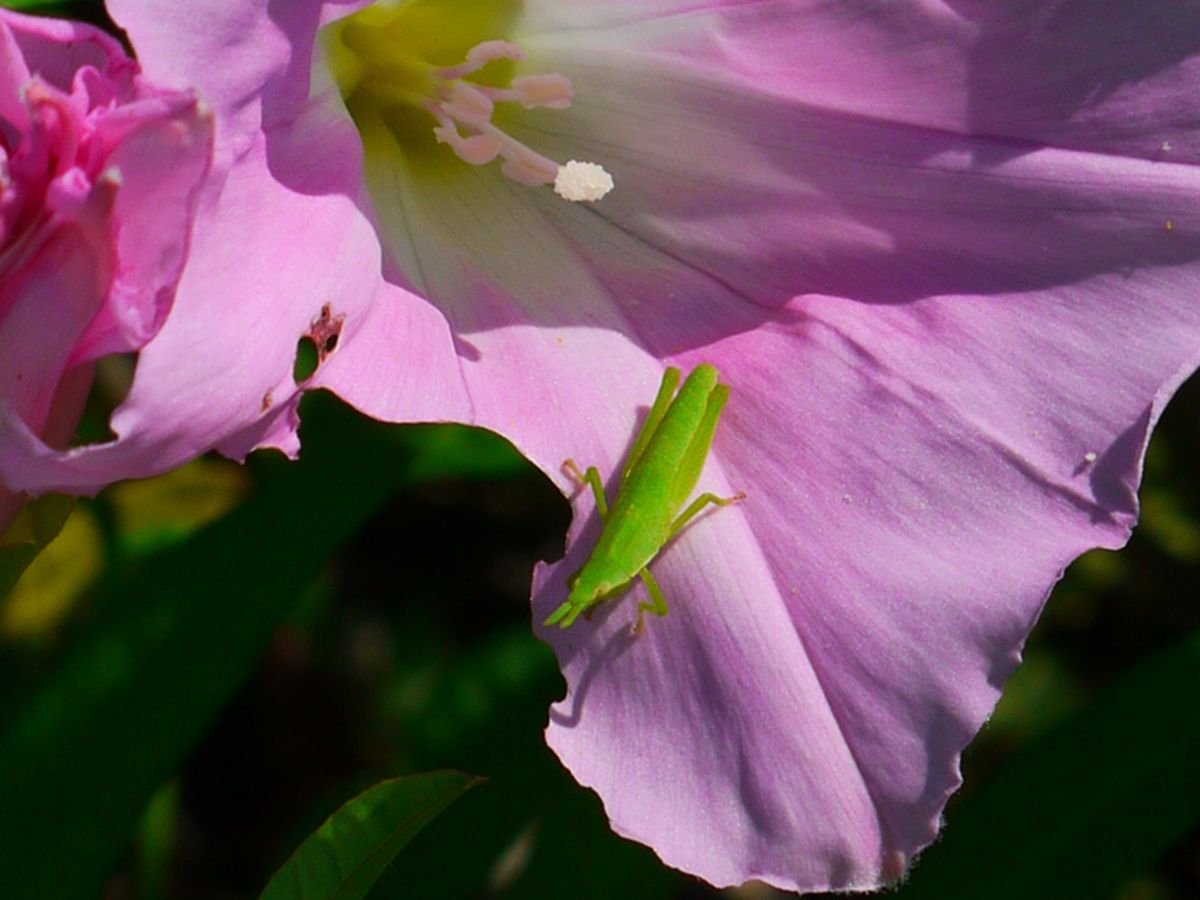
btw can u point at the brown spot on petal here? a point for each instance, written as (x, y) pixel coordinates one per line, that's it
(325, 332)
(267, 400)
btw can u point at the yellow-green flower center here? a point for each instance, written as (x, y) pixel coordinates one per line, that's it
(422, 68)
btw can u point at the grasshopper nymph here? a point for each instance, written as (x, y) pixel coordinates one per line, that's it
(662, 470)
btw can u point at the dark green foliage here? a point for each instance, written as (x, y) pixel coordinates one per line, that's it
(174, 634)
(344, 858)
(1087, 804)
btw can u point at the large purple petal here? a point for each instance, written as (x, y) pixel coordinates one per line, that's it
(914, 487)
(1072, 73)
(930, 451)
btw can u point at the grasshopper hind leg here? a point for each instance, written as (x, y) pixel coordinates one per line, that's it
(697, 506)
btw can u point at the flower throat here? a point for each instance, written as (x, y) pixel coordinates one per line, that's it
(406, 69)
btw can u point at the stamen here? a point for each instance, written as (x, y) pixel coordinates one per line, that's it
(477, 150)
(480, 55)
(468, 104)
(553, 91)
(460, 106)
(529, 167)
(550, 91)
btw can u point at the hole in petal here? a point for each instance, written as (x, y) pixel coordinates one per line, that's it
(307, 360)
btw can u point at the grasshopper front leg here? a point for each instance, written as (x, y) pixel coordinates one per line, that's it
(590, 479)
(567, 613)
(657, 604)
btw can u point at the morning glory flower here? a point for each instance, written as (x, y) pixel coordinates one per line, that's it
(97, 173)
(945, 256)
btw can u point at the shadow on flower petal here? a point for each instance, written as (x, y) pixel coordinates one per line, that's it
(731, 200)
(614, 647)
(827, 202)
(1051, 89)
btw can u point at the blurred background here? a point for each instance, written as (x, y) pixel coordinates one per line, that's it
(204, 665)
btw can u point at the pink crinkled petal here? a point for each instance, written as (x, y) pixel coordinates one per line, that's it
(99, 185)
(158, 170)
(56, 50)
(197, 385)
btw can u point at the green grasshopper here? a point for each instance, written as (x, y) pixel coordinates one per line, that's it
(662, 470)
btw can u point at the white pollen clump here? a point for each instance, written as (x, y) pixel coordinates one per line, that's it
(584, 181)
(1090, 457)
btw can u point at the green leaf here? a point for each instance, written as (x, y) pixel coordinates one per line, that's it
(459, 451)
(344, 858)
(1089, 804)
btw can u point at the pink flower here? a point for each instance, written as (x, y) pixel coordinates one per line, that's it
(97, 174)
(945, 255)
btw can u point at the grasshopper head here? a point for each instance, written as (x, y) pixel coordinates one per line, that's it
(587, 593)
